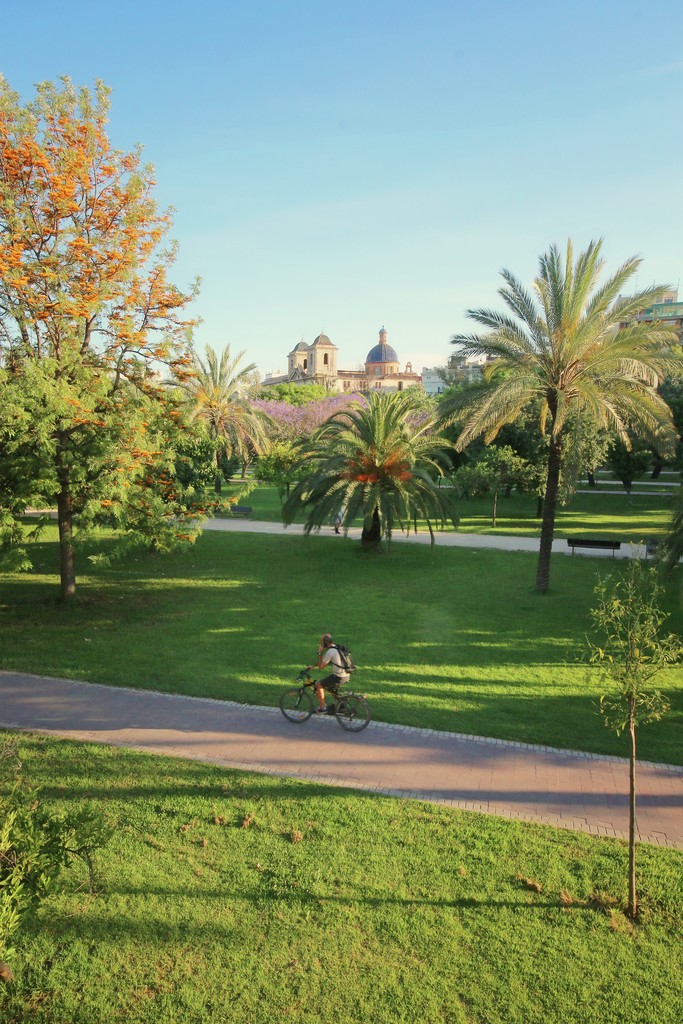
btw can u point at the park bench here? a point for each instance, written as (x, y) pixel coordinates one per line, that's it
(602, 545)
(240, 510)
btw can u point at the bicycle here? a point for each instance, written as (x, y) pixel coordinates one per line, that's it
(351, 710)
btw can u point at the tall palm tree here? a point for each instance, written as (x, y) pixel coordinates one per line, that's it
(218, 390)
(575, 346)
(379, 459)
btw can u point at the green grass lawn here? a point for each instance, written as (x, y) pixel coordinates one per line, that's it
(238, 899)
(456, 639)
(629, 519)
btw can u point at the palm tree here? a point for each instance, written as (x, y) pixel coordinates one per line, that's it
(219, 390)
(377, 459)
(576, 347)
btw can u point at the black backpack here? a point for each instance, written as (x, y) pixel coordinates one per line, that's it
(348, 664)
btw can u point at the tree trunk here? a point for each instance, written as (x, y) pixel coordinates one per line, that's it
(66, 548)
(218, 482)
(371, 536)
(495, 508)
(549, 508)
(657, 467)
(591, 478)
(632, 898)
(539, 506)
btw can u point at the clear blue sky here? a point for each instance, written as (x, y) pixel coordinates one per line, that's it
(338, 166)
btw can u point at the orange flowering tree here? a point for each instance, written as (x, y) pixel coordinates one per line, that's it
(378, 460)
(90, 327)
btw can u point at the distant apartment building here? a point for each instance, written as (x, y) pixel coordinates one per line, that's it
(437, 379)
(469, 369)
(667, 309)
(434, 379)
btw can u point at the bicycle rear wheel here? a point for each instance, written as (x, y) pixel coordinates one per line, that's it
(353, 712)
(296, 704)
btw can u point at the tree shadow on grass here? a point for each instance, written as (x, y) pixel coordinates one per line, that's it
(155, 926)
(497, 800)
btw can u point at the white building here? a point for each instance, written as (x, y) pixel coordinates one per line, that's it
(433, 379)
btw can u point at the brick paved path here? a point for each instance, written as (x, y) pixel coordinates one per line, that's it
(515, 780)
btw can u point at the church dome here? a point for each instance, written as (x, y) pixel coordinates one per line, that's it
(322, 339)
(382, 352)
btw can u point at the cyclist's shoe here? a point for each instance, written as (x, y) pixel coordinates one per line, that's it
(320, 711)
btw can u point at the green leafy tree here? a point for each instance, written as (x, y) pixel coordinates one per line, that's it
(379, 460)
(672, 547)
(498, 469)
(671, 391)
(629, 461)
(87, 311)
(630, 650)
(281, 465)
(294, 394)
(161, 503)
(195, 460)
(220, 393)
(564, 347)
(19, 477)
(469, 481)
(587, 448)
(526, 441)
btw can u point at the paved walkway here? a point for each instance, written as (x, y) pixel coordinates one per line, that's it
(453, 539)
(514, 780)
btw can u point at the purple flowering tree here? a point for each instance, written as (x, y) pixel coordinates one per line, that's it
(295, 422)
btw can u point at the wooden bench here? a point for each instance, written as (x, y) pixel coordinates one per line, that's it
(601, 545)
(240, 510)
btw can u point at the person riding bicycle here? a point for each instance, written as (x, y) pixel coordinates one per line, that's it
(328, 657)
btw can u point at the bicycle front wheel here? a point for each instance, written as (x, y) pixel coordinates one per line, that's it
(296, 704)
(353, 712)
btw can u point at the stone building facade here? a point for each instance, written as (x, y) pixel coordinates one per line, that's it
(317, 364)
